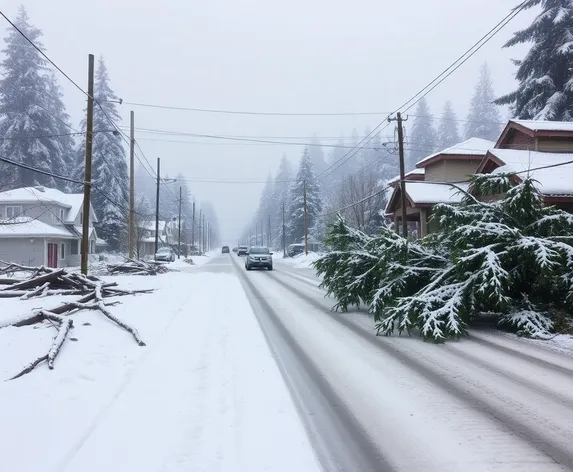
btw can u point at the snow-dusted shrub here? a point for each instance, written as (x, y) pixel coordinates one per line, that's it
(512, 257)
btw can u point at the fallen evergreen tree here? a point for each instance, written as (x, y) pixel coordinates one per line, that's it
(511, 259)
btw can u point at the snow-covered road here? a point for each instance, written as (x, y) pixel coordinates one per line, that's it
(207, 393)
(489, 403)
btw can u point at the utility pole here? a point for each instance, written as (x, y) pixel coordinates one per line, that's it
(262, 234)
(256, 234)
(179, 242)
(305, 223)
(132, 229)
(88, 169)
(402, 172)
(284, 235)
(269, 235)
(193, 228)
(203, 231)
(157, 206)
(200, 235)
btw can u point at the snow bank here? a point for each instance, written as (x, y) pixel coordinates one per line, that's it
(302, 261)
(190, 400)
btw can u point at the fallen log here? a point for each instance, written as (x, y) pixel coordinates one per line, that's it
(35, 281)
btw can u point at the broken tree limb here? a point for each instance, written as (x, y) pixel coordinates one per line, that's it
(65, 324)
(30, 367)
(35, 281)
(34, 293)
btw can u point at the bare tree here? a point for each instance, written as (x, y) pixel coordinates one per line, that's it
(364, 213)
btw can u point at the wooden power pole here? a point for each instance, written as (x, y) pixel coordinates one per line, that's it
(88, 170)
(179, 229)
(305, 223)
(157, 205)
(193, 228)
(402, 173)
(132, 229)
(284, 235)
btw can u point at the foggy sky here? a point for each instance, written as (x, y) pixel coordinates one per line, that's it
(298, 56)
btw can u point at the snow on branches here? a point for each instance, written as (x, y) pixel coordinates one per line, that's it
(512, 257)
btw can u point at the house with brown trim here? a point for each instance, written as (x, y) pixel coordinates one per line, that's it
(427, 189)
(541, 149)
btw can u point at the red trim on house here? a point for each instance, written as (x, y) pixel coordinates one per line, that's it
(554, 199)
(489, 158)
(512, 125)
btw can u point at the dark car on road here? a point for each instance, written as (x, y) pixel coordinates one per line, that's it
(295, 250)
(225, 250)
(259, 257)
(242, 251)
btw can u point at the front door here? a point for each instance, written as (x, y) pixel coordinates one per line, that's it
(52, 255)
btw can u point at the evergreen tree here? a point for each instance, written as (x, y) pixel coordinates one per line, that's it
(545, 89)
(448, 133)
(282, 183)
(305, 177)
(65, 153)
(317, 155)
(511, 258)
(110, 180)
(422, 140)
(30, 105)
(483, 119)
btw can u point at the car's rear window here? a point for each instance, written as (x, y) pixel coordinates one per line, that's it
(259, 250)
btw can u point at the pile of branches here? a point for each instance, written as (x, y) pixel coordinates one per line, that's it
(189, 261)
(43, 282)
(134, 267)
(511, 259)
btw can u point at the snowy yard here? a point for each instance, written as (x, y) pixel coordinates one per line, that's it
(204, 394)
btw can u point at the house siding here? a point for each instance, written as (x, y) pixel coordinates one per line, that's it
(460, 170)
(517, 140)
(44, 212)
(25, 251)
(554, 144)
(436, 172)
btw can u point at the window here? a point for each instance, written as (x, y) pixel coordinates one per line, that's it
(62, 213)
(13, 211)
(75, 246)
(62, 251)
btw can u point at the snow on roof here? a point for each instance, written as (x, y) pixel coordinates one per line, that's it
(72, 201)
(551, 181)
(29, 228)
(544, 125)
(150, 225)
(469, 147)
(430, 192)
(412, 172)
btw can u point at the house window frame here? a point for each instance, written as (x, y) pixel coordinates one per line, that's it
(62, 252)
(61, 214)
(20, 212)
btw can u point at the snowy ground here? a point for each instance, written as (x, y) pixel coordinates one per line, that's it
(203, 395)
(207, 393)
(302, 261)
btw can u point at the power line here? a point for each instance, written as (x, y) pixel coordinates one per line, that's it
(242, 139)
(465, 56)
(436, 81)
(43, 54)
(263, 113)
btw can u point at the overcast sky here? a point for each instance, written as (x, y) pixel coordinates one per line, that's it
(300, 56)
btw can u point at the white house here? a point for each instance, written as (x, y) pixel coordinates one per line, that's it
(43, 226)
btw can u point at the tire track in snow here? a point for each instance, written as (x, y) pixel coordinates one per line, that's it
(528, 433)
(340, 442)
